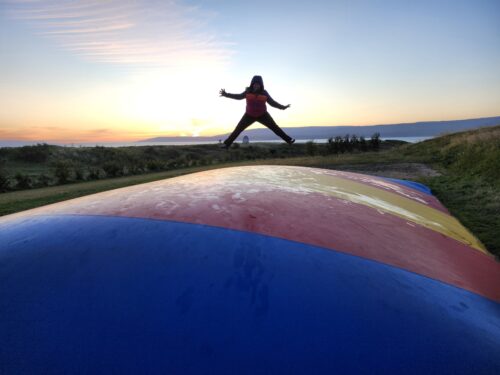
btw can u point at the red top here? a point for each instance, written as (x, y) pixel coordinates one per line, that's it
(256, 102)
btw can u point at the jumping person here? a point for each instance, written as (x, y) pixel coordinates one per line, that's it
(256, 110)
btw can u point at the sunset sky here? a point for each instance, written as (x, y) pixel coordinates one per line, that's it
(121, 70)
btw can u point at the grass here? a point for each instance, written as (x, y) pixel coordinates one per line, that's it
(469, 185)
(467, 182)
(473, 201)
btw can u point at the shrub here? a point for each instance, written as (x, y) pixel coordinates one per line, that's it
(150, 151)
(354, 142)
(36, 154)
(363, 146)
(4, 182)
(136, 168)
(347, 143)
(311, 148)
(112, 169)
(375, 141)
(154, 165)
(62, 171)
(79, 174)
(334, 145)
(43, 180)
(23, 181)
(94, 173)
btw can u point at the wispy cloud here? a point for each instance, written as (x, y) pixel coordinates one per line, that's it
(149, 33)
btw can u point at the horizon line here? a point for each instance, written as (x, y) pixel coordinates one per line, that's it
(214, 137)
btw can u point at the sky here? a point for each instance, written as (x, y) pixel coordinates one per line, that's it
(123, 70)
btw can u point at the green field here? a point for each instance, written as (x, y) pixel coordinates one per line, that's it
(462, 169)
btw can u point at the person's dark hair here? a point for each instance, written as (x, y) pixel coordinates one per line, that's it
(256, 79)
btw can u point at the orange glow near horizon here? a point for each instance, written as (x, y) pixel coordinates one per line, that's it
(187, 104)
(148, 119)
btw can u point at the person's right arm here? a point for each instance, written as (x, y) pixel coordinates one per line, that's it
(223, 92)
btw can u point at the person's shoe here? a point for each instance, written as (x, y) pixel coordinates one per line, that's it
(292, 141)
(223, 146)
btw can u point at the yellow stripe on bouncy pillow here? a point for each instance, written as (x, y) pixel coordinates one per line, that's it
(389, 202)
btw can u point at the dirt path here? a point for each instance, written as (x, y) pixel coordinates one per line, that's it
(408, 171)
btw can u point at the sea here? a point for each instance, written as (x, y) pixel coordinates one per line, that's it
(131, 144)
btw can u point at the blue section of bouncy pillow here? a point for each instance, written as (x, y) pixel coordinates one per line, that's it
(101, 295)
(412, 184)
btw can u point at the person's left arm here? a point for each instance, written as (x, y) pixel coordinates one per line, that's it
(274, 103)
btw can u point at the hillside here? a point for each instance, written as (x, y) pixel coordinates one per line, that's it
(469, 185)
(473, 153)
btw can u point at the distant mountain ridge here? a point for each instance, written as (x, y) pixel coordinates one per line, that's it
(416, 129)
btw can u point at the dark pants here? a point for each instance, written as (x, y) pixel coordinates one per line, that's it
(265, 119)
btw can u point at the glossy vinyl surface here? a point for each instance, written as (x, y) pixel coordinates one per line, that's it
(248, 270)
(84, 294)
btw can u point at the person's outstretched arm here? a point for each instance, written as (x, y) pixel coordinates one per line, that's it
(274, 103)
(223, 92)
